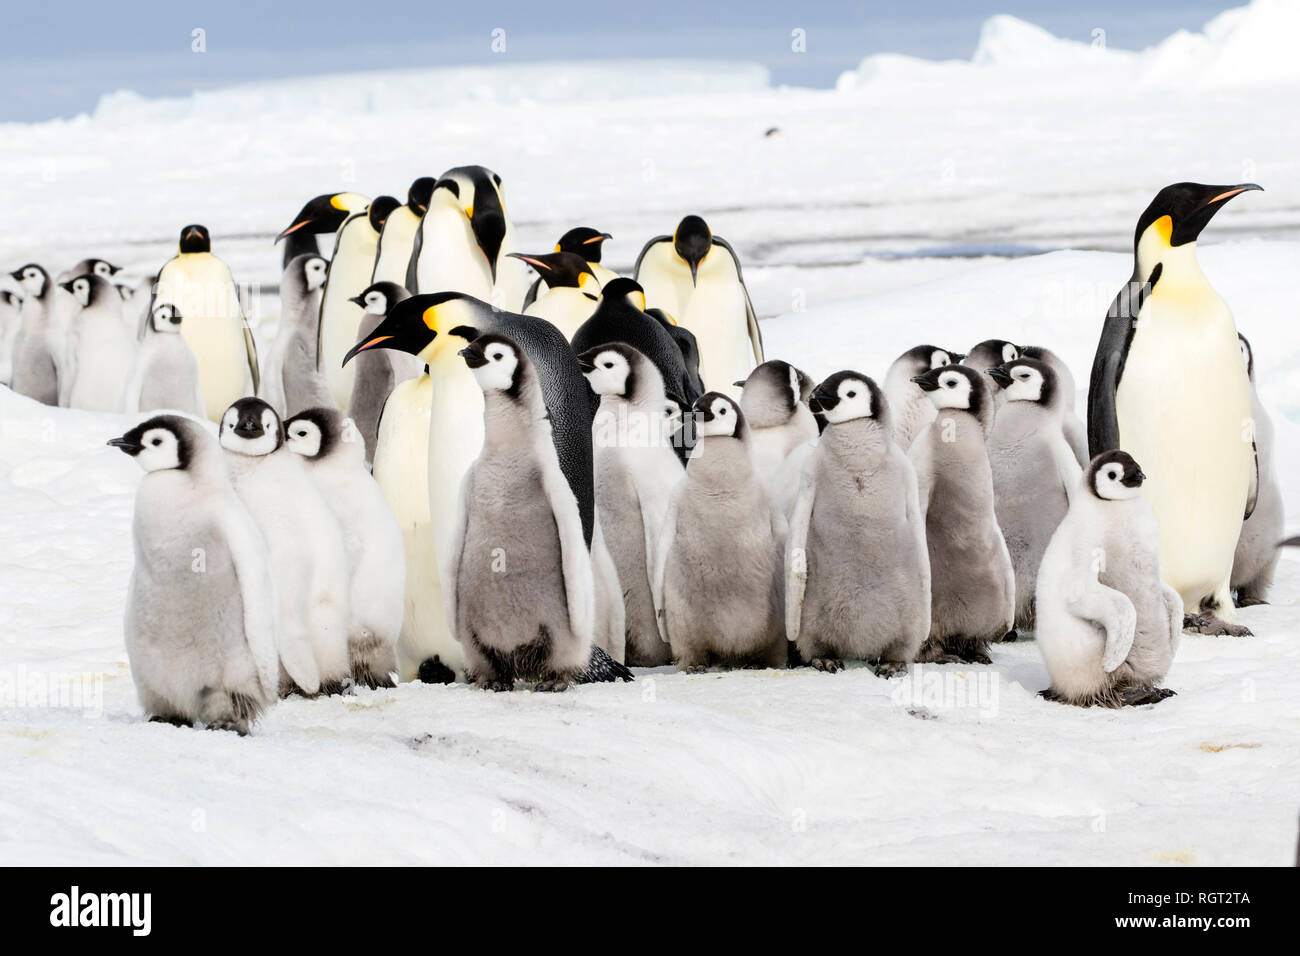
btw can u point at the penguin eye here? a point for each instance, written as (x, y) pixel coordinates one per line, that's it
(609, 365)
(1112, 474)
(853, 394)
(156, 441)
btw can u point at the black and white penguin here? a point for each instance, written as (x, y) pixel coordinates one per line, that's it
(569, 290)
(585, 243)
(320, 216)
(1257, 551)
(35, 366)
(378, 372)
(291, 377)
(166, 373)
(909, 408)
(1168, 387)
(100, 353)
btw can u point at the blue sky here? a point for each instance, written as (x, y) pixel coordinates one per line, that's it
(57, 58)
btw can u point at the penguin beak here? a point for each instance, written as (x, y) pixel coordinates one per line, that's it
(535, 261)
(1187, 226)
(999, 375)
(321, 214)
(695, 268)
(358, 299)
(927, 383)
(739, 384)
(126, 445)
(375, 342)
(473, 355)
(597, 239)
(586, 365)
(66, 285)
(404, 329)
(1134, 479)
(1230, 191)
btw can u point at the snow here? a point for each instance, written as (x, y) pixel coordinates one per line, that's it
(944, 202)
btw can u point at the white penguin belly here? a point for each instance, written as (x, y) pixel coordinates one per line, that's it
(450, 257)
(565, 308)
(104, 361)
(716, 315)
(201, 287)
(350, 271)
(394, 253)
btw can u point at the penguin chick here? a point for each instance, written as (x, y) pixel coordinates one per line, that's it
(857, 570)
(35, 372)
(11, 322)
(989, 354)
(1108, 626)
(910, 411)
(335, 458)
(1076, 435)
(166, 373)
(201, 641)
(719, 579)
(973, 598)
(292, 379)
(636, 470)
(305, 540)
(1257, 552)
(1034, 470)
(101, 353)
(523, 594)
(774, 402)
(378, 371)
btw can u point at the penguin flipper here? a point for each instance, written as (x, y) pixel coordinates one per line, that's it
(575, 558)
(603, 669)
(667, 534)
(451, 570)
(1112, 612)
(636, 269)
(751, 317)
(250, 346)
(1108, 362)
(531, 295)
(796, 558)
(1252, 496)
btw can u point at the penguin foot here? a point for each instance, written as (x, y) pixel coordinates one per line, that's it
(172, 719)
(341, 685)
(230, 723)
(434, 671)
(1050, 693)
(1010, 637)
(496, 686)
(888, 669)
(557, 685)
(1137, 696)
(693, 668)
(831, 665)
(1248, 601)
(1213, 626)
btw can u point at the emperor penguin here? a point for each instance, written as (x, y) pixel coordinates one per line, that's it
(435, 327)
(320, 216)
(1168, 386)
(718, 579)
(585, 243)
(35, 372)
(686, 344)
(909, 408)
(1108, 624)
(378, 372)
(521, 587)
(1076, 436)
(335, 459)
(636, 470)
(973, 585)
(857, 573)
(695, 277)
(306, 545)
(569, 292)
(775, 401)
(101, 353)
(464, 238)
(1034, 470)
(11, 321)
(200, 285)
(292, 378)
(202, 647)
(166, 374)
(990, 354)
(65, 306)
(1257, 551)
(397, 238)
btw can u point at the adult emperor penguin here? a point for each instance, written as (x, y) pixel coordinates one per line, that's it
(335, 460)
(202, 647)
(1108, 626)
(637, 469)
(857, 575)
(306, 545)
(397, 237)
(101, 353)
(775, 401)
(11, 322)
(378, 372)
(585, 243)
(569, 289)
(686, 344)
(291, 377)
(973, 586)
(520, 588)
(1034, 470)
(695, 277)
(322, 215)
(166, 374)
(35, 371)
(910, 410)
(1257, 551)
(1168, 387)
(1076, 436)
(726, 611)
(215, 329)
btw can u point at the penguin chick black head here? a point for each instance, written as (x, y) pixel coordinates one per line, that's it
(848, 395)
(314, 433)
(414, 324)
(626, 289)
(1026, 380)
(166, 318)
(32, 279)
(315, 270)
(100, 267)
(251, 427)
(497, 361)
(160, 443)
(89, 289)
(989, 353)
(692, 240)
(922, 358)
(379, 297)
(955, 386)
(1179, 212)
(567, 269)
(381, 207)
(417, 197)
(772, 392)
(325, 213)
(583, 241)
(613, 369)
(1114, 476)
(1247, 355)
(196, 238)
(717, 416)
(476, 191)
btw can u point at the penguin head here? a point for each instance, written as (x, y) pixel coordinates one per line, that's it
(160, 443)
(379, 297)
(1176, 217)
(717, 416)
(583, 241)
(692, 241)
(561, 269)
(1025, 380)
(611, 369)
(32, 279)
(99, 267)
(1114, 476)
(989, 353)
(417, 197)
(315, 270)
(497, 362)
(772, 392)
(673, 405)
(379, 210)
(1247, 355)
(421, 324)
(325, 213)
(847, 396)
(477, 193)
(314, 433)
(623, 290)
(166, 318)
(84, 288)
(251, 427)
(195, 238)
(954, 386)
(922, 358)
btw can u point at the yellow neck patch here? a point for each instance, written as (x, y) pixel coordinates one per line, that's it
(431, 318)
(1164, 228)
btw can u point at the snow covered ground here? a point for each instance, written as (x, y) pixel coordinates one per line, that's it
(919, 202)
